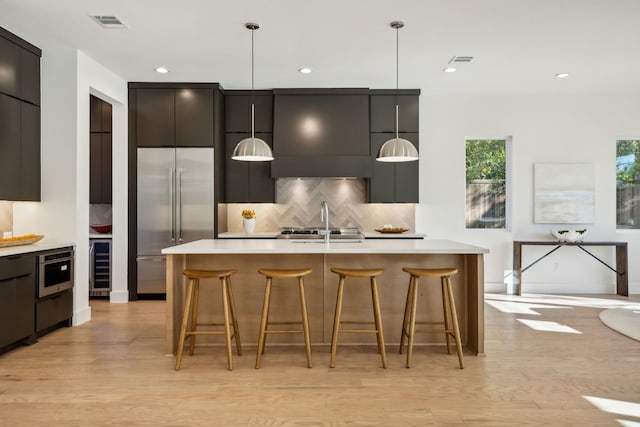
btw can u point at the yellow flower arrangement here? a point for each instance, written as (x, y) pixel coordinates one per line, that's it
(248, 213)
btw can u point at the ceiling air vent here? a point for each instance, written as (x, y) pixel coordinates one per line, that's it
(461, 59)
(109, 21)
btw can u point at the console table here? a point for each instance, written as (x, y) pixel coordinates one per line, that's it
(622, 279)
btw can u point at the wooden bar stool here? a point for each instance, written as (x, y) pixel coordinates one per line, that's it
(448, 306)
(358, 272)
(264, 321)
(191, 308)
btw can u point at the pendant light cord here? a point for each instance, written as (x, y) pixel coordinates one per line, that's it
(252, 97)
(397, 27)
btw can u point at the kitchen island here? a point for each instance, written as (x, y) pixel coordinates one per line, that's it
(248, 255)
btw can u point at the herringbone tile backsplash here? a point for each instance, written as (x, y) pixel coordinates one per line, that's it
(299, 202)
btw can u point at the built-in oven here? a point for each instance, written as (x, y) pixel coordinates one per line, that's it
(55, 272)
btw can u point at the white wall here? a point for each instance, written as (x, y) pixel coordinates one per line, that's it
(67, 79)
(95, 79)
(544, 129)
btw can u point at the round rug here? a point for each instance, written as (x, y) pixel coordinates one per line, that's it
(625, 320)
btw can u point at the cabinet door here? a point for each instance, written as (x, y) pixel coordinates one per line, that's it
(106, 116)
(9, 148)
(95, 167)
(107, 167)
(30, 152)
(382, 181)
(407, 179)
(248, 181)
(17, 298)
(393, 182)
(194, 117)
(10, 66)
(155, 118)
(30, 77)
(238, 113)
(383, 113)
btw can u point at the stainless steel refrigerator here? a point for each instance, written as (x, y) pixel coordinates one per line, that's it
(175, 205)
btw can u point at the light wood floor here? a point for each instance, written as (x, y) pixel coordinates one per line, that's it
(112, 371)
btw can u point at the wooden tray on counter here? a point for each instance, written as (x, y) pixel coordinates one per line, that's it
(27, 239)
(395, 230)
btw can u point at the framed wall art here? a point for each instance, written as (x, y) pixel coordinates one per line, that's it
(564, 193)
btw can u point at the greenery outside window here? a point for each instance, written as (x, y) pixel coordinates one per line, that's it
(486, 176)
(628, 184)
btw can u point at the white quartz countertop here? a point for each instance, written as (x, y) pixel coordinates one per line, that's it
(100, 235)
(281, 246)
(42, 245)
(274, 235)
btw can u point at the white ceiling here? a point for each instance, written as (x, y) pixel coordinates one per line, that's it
(518, 45)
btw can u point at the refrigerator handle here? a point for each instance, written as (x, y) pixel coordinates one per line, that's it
(171, 206)
(179, 205)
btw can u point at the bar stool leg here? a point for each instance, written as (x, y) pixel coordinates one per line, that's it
(305, 321)
(263, 321)
(405, 320)
(264, 345)
(454, 317)
(185, 322)
(336, 322)
(194, 315)
(227, 327)
(412, 319)
(446, 313)
(234, 317)
(378, 320)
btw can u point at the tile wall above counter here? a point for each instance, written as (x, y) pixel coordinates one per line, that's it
(299, 201)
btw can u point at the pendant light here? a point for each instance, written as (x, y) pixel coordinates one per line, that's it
(252, 149)
(397, 149)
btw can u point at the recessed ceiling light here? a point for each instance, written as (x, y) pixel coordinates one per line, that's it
(562, 75)
(449, 70)
(305, 70)
(162, 70)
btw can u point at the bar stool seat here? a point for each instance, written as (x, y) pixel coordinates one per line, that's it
(371, 273)
(451, 327)
(191, 309)
(270, 274)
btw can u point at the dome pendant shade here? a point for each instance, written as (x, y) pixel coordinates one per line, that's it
(397, 150)
(252, 150)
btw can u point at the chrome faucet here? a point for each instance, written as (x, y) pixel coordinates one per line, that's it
(324, 216)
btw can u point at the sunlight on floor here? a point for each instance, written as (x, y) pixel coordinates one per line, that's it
(563, 300)
(541, 325)
(519, 307)
(619, 407)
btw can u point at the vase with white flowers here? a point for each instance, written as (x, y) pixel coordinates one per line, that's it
(248, 220)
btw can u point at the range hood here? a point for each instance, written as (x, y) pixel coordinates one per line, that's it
(321, 133)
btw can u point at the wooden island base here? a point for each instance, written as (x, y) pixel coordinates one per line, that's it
(321, 289)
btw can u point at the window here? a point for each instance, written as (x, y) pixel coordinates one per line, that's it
(628, 183)
(486, 173)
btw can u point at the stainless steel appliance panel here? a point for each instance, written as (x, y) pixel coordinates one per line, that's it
(194, 194)
(55, 272)
(151, 274)
(156, 191)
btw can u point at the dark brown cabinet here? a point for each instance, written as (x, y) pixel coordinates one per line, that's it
(248, 182)
(10, 66)
(393, 182)
(19, 150)
(238, 111)
(383, 111)
(100, 151)
(100, 165)
(17, 298)
(167, 117)
(19, 119)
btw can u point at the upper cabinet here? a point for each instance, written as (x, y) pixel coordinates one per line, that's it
(238, 111)
(383, 111)
(174, 117)
(100, 151)
(19, 119)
